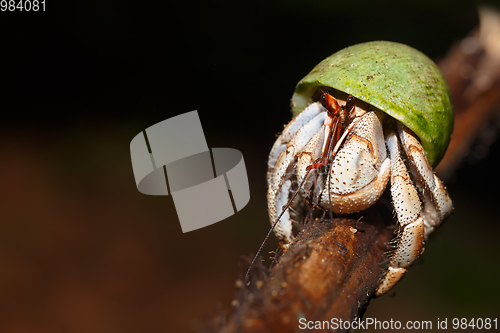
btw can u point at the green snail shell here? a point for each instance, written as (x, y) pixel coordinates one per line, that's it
(394, 78)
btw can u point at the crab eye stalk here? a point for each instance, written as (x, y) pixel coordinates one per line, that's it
(330, 104)
(349, 104)
(324, 101)
(346, 109)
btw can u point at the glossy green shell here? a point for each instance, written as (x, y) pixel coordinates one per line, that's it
(395, 79)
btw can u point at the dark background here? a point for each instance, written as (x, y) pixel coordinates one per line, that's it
(81, 250)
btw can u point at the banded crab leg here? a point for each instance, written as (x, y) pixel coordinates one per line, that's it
(289, 131)
(278, 179)
(437, 203)
(416, 222)
(406, 203)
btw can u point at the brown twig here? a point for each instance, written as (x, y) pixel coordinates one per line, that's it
(330, 272)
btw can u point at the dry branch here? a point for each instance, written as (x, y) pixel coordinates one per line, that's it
(330, 271)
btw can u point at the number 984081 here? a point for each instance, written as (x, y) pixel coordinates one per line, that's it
(22, 5)
(475, 323)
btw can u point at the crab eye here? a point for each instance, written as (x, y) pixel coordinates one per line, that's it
(330, 104)
(324, 102)
(349, 104)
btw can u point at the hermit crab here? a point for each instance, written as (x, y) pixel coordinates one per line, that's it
(370, 115)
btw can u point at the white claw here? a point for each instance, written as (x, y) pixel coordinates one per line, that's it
(360, 171)
(393, 275)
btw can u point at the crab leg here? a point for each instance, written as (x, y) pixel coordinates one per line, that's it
(437, 203)
(290, 130)
(279, 182)
(407, 205)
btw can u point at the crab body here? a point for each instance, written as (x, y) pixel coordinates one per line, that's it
(370, 150)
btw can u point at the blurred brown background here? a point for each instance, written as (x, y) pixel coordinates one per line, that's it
(81, 250)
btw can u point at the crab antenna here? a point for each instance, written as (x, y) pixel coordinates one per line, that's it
(283, 210)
